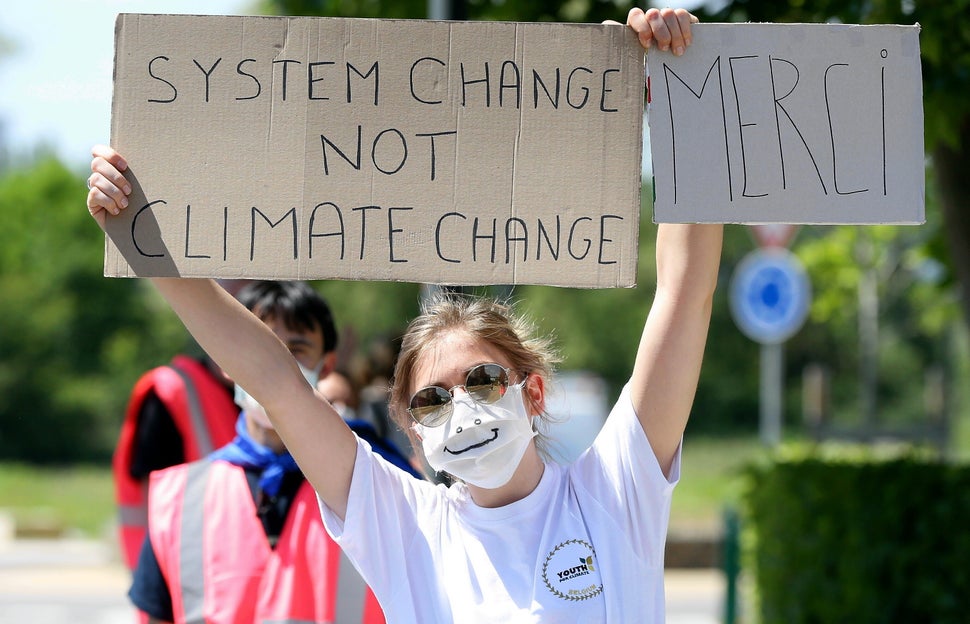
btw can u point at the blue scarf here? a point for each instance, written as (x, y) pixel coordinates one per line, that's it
(245, 452)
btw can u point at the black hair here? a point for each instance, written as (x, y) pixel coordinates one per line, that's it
(296, 304)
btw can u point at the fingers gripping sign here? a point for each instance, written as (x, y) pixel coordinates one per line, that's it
(108, 189)
(668, 28)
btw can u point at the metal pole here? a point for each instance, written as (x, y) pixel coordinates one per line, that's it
(438, 10)
(772, 380)
(732, 564)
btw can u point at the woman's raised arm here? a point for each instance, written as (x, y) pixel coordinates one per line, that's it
(671, 349)
(252, 355)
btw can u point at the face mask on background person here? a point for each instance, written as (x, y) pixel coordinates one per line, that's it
(481, 444)
(254, 410)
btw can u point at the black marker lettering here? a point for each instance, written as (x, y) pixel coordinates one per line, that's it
(286, 64)
(510, 238)
(515, 83)
(673, 132)
(432, 135)
(259, 87)
(207, 74)
(828, 112)
(338, 232)
(741, 126)
(188, 222)
(603, 239)
(373, 154)
(324, 142)
(569, 243)
(151, 72)
(134, 224)
(437, 235)
(554, 252)
(780, 107)
(537, 82)
(391, 230)
(373, 70)
(311, 80)
(476, 236)
(583, 89)
(291, 213)
(486, 81)
(433, 81)
(363, 225)
(604, 91)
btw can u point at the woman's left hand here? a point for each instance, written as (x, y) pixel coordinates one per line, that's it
(668, 29)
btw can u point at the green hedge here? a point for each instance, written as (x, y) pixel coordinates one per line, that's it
(859, 540)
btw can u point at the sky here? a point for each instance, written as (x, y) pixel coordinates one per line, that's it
(55, 71)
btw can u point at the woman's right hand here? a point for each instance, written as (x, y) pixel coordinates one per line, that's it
(109, 189)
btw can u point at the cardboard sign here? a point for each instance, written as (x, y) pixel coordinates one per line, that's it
(316, 148)
(789, 123)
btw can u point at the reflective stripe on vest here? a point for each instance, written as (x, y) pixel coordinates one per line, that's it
(191, 562)
(196, 415)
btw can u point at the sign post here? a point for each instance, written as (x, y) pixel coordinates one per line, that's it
(770, 296)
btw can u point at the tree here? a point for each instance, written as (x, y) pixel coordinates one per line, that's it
(535, 11)
(73, 343)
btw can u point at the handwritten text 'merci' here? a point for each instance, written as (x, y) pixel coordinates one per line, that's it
(769, 124)
(331, 233)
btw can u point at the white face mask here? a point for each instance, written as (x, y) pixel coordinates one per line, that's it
(255, 411)
(480, 444)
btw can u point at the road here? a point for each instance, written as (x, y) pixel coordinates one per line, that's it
(82, 582)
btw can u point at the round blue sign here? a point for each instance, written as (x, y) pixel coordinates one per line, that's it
(770, 295)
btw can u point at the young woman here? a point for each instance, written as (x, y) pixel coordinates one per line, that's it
(516, 538)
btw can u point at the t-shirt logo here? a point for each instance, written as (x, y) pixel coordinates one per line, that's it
(570, 571)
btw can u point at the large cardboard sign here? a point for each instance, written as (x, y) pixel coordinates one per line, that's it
(789, 123)
(441, 152)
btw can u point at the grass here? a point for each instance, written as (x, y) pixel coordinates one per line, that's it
(80, 499)
(711, 479)
(77, 499)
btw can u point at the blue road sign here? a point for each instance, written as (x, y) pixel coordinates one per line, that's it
(770, 295)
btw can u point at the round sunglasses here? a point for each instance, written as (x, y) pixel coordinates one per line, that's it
(485, 384)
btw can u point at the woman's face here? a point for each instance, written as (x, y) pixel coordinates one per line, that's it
(447, 360)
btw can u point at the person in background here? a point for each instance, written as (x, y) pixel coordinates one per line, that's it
(237, 536)
(176, 413)
(339, 390)
(517, 537)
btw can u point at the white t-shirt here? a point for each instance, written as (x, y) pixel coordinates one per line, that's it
(587, 545)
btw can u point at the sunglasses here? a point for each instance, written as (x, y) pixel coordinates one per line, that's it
(433, 405)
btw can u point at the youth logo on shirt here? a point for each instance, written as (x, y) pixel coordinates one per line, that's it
(570, 571)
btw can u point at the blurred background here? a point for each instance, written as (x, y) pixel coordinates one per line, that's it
(881, 360)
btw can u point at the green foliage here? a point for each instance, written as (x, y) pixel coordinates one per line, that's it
(80, 498)
(535, 11)
(72, 342)
(859, 539)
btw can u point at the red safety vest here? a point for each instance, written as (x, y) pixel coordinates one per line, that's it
(220, 569)
(204, 415)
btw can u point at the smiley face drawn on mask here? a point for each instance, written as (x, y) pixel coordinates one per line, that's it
(475, 445)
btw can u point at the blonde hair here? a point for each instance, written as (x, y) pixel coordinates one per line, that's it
(486, 319)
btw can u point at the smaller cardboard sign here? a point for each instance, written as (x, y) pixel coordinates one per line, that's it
(319, 148)
(789, 123)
